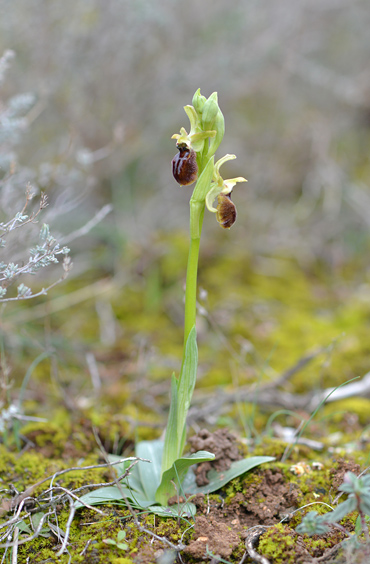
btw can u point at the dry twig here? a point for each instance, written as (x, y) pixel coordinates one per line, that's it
(251, 541)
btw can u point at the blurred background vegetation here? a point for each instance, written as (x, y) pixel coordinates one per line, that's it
(110, 79)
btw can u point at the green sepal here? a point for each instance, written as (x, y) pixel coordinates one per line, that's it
(198, 101)
(193, 118)
(212, 195)
(219, 126)
(210, 112)
(198, 140)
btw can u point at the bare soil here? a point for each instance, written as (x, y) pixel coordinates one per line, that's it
(254, 510)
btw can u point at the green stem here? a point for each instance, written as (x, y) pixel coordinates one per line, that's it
(196, 217)
(182, 388)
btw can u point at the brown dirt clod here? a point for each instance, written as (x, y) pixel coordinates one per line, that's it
(223, 444)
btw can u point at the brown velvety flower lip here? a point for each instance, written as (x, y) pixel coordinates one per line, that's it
(184, 166)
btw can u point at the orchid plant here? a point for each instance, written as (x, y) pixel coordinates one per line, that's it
(150, 486)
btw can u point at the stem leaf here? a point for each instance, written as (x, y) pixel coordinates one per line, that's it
(186, 509)
(202, 186)
(185, 387)
(172, 478)
(170, 449)
(219, 479)
(150, 473)
(113, 493)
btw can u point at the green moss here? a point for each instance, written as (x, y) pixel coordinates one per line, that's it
(278, 545)
(358, 405)
(315, 545)
(50, 433)
(25, 470)
(232, 488)
(170, 529)
(285, 325)
(270, 447)
(241, 484)
(87, 530)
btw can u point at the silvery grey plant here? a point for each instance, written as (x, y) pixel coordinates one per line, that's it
(18, 256)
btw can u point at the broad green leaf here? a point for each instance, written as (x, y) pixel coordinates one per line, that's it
(176, 473)
(134, 479)
(113, 494)
(140, 485)
(189, 484)
(24, 528)
(133, 482)
(358, 526)
(342, 510)
(36, 519)
(183, 439)
(184, 510)
(110, 541)
(150, 473)
(122, 545)
(218, 479)
(170, 442)
(186, 386)
(120, 468)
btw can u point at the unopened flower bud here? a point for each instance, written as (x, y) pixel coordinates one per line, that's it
(184, 165)
(219, 126)
(210, 111)
(226, 211)
(198, 101)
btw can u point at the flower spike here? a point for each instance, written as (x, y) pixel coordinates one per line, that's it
(206, 122)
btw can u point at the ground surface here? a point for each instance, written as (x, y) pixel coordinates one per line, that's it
(266, 356)
(259, 508)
